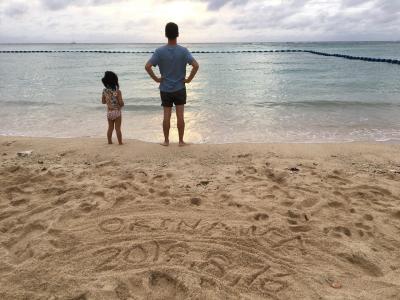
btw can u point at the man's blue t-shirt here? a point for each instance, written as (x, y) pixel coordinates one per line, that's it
(172, 61)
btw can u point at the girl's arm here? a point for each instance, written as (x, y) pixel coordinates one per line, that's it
(120, 101)
(104, 101)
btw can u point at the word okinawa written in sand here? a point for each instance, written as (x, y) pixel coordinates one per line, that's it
(216, 253)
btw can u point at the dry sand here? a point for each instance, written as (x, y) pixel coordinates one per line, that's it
(80, 219)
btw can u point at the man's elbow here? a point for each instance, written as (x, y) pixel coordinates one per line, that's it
(147, 67)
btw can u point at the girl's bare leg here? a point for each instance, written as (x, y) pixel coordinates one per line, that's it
(110, 131)
(118, 122)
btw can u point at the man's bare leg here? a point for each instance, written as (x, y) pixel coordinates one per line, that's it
(181, 123)
(166, 125)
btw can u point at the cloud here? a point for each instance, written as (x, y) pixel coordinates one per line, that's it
(202, 20)
(350, 3)
(15, 9)
(60, 4)
(389, 6)
(270, 16)
(209, 22)
(217, 4)
(346, 19)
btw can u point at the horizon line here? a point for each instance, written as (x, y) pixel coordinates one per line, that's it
(226, 42)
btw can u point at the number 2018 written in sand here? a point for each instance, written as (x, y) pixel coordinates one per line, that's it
(210, 265)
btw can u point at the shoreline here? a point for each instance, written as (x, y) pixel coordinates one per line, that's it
(95, 143)
(81, 219)
(366, 142)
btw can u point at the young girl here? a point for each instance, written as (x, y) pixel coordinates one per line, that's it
(113, 98)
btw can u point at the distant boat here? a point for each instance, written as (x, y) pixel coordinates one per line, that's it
(73, 42)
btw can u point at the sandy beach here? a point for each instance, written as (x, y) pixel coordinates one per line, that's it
(80, 219)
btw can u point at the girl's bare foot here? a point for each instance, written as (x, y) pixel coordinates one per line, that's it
(181, 144)
(165, 144)
(110, 143)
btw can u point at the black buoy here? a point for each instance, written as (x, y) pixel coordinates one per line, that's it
(326, 54)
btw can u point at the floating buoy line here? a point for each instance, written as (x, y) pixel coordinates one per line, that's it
(368, 59)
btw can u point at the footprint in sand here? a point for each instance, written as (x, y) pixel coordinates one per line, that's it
(87, 206)
(195, 201)
(335, 204)
(244, 155)
(243, 207)
(123, 292)
(80, 297)
(21, 246)
(337, 231)
(396, 214)
(309, 202)
(163, 286)
(276, 176)
(19, 201)
(260, 217)
(300, 228)
(293, 214)
(364, 229)
(368, 217)
(164, 193)
(295, 217)
(122, 199)
(361, 261)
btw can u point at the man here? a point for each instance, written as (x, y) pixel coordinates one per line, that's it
(172, 60)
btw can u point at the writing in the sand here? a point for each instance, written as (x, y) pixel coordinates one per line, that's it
(118, 225)
(236, 268)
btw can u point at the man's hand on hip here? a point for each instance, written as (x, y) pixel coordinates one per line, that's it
(195, 68)
(149, 70)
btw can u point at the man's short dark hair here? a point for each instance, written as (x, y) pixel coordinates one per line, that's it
(171, 31)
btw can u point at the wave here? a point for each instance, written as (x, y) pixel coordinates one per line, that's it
(137, 107)
(142, 107)
(322, 103)
(28, 103)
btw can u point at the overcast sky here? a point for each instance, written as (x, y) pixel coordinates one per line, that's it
(200, 20)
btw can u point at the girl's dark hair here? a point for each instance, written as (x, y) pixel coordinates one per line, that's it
(171, 31)
(110, 80)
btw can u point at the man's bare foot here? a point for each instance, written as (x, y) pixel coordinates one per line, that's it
(165, 144)
(182, 144)
(110, 143)
(120, 144)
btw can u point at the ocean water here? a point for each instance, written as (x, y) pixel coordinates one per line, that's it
(248, 97)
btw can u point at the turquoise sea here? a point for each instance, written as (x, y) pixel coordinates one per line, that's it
(241, 97)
